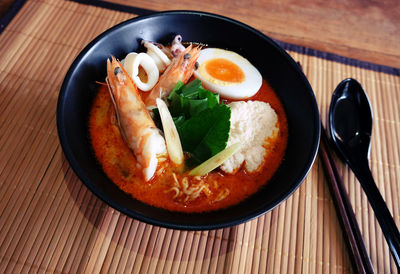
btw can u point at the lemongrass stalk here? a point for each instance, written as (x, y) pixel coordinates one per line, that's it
(215, 161)
(171, 135)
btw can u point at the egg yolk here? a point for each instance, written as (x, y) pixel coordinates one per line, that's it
(224, 70)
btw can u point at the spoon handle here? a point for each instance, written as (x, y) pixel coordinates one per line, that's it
(382, 213)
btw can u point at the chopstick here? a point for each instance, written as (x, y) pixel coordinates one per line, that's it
(352, 234)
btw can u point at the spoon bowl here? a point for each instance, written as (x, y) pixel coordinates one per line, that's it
(350, 124)
(351, 120)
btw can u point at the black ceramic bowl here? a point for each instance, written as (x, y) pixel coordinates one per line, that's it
(276, 66)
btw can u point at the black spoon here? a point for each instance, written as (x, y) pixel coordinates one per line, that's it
(350, 124)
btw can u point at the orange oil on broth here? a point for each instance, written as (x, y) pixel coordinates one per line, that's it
(119, 163)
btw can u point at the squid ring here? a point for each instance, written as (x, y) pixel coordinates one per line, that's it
(159, 57)
(131, 64)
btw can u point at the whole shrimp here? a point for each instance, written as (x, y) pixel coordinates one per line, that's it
(180, 69)
(136, 126)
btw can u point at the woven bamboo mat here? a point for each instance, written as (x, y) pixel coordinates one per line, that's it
(50, 222)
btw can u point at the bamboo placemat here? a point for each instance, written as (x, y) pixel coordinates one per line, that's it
(50, 222)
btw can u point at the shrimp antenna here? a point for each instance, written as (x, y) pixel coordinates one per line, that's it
(115, 106)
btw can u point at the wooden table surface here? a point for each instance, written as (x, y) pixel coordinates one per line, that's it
(361, 29)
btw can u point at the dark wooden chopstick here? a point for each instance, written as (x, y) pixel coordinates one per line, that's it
(348, 221)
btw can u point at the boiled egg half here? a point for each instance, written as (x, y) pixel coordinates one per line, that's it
(227, 73)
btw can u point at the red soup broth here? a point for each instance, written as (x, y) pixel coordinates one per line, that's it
(119, 163)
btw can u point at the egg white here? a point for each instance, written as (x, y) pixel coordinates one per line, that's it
(232, 90)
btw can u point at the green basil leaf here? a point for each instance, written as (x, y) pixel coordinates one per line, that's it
(179, 120)
(206, 134)
(194, 107)
(213, 98)
(176, 90)
(191, 90)
(175, 104)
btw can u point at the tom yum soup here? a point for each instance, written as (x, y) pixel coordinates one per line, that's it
(187, 128)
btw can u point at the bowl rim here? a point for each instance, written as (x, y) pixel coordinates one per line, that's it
(81, 174)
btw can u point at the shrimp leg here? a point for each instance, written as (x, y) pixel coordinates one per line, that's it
(136, 126)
